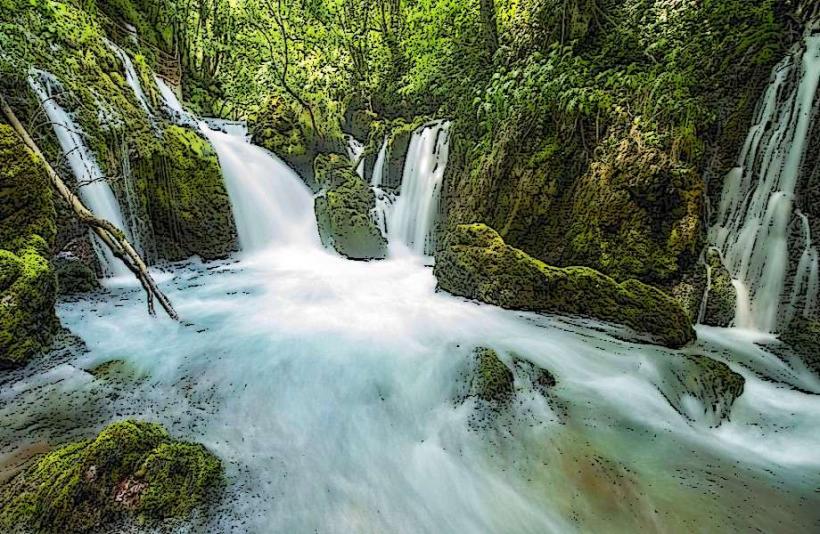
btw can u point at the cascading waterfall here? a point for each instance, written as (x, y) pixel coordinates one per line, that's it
(411, 219)
(271, 205)
(384, 200)
(354, 151)
(94, 189)
(756, 212)
(131, 76)
(172, 104)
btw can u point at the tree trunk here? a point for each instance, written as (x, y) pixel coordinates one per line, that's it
(109, 234)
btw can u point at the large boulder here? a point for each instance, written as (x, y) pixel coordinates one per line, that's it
(27, 232)
(474, 262)
(131, 471)
(181, 187)
(344, 211)
(802, 337)
(74, 276)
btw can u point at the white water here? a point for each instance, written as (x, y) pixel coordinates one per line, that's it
(354, 151)
(169, 97)
(329, 389)
(378, 167)
(757, 213)
(410, 221)
(94, 189)
(131, 76)
(271, 205)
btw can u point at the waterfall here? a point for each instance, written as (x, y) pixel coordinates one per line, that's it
(131, 76)
(271, 205)
(172, 104)
(354, 151)
(378, 167)
(411, 220)
(94, 189)
(757, 213)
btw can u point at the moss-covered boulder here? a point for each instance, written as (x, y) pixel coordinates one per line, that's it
(711, 383)
(286, 130)
(131, 471)
(492, 380)
(474, 262)
(27, 232)
(74, 276)
(721, 296)
(344, 211)
(398, 133)
(802, 337)
(181, 187)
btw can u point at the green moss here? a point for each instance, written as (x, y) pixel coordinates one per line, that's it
(73, 276)
(710, 381)
(492, 380)
(475, 262)
(803, 337)
(131, 469)
(722, 295)
(343, 210)
(27, 232)
(181, 187)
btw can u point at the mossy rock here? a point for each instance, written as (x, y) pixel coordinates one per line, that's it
(709, 381)
(288, 133)
(183, 192)
(492, 380)
(474, 262)
(27, 233)
(399, 133)
(722, 295)
(803, 338)
(344, 211)
(131, 471)
(74, 276)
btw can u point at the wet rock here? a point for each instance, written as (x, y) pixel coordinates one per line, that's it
(131, 471)
(803, 338)
(344, 211)
(722, 295)
(492, 380)
(713, 385)
(474, 262)
(74, 276)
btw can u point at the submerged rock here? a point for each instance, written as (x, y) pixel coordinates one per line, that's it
(131, 470)
(711, 383)
(28, 286)
(74, 276)
(492, 380)
(474, 262)
(344, 211)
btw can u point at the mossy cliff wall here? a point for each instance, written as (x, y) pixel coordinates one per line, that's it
(180, 187)
(600, 150)
(27, 232)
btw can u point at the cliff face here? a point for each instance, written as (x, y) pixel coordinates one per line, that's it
(602, 150)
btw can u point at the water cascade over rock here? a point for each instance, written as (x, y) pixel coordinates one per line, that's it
(412, 217)
(94, 189)
(384, 200)
(355, 149)
(758, 226)
(131, 76)
(270, 203)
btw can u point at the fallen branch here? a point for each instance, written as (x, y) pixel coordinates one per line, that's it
(109, 234)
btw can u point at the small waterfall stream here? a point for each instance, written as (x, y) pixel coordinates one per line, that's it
(355, 148)
(757, 213)
(131, 76)
(411, 219)
(93, 187)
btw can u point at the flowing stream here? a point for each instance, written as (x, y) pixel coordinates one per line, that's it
(756, 215)
(334, 390)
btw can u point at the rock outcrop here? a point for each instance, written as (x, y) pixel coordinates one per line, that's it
(475, 262)
(28, 286)
(132, 471)
(344, 211)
